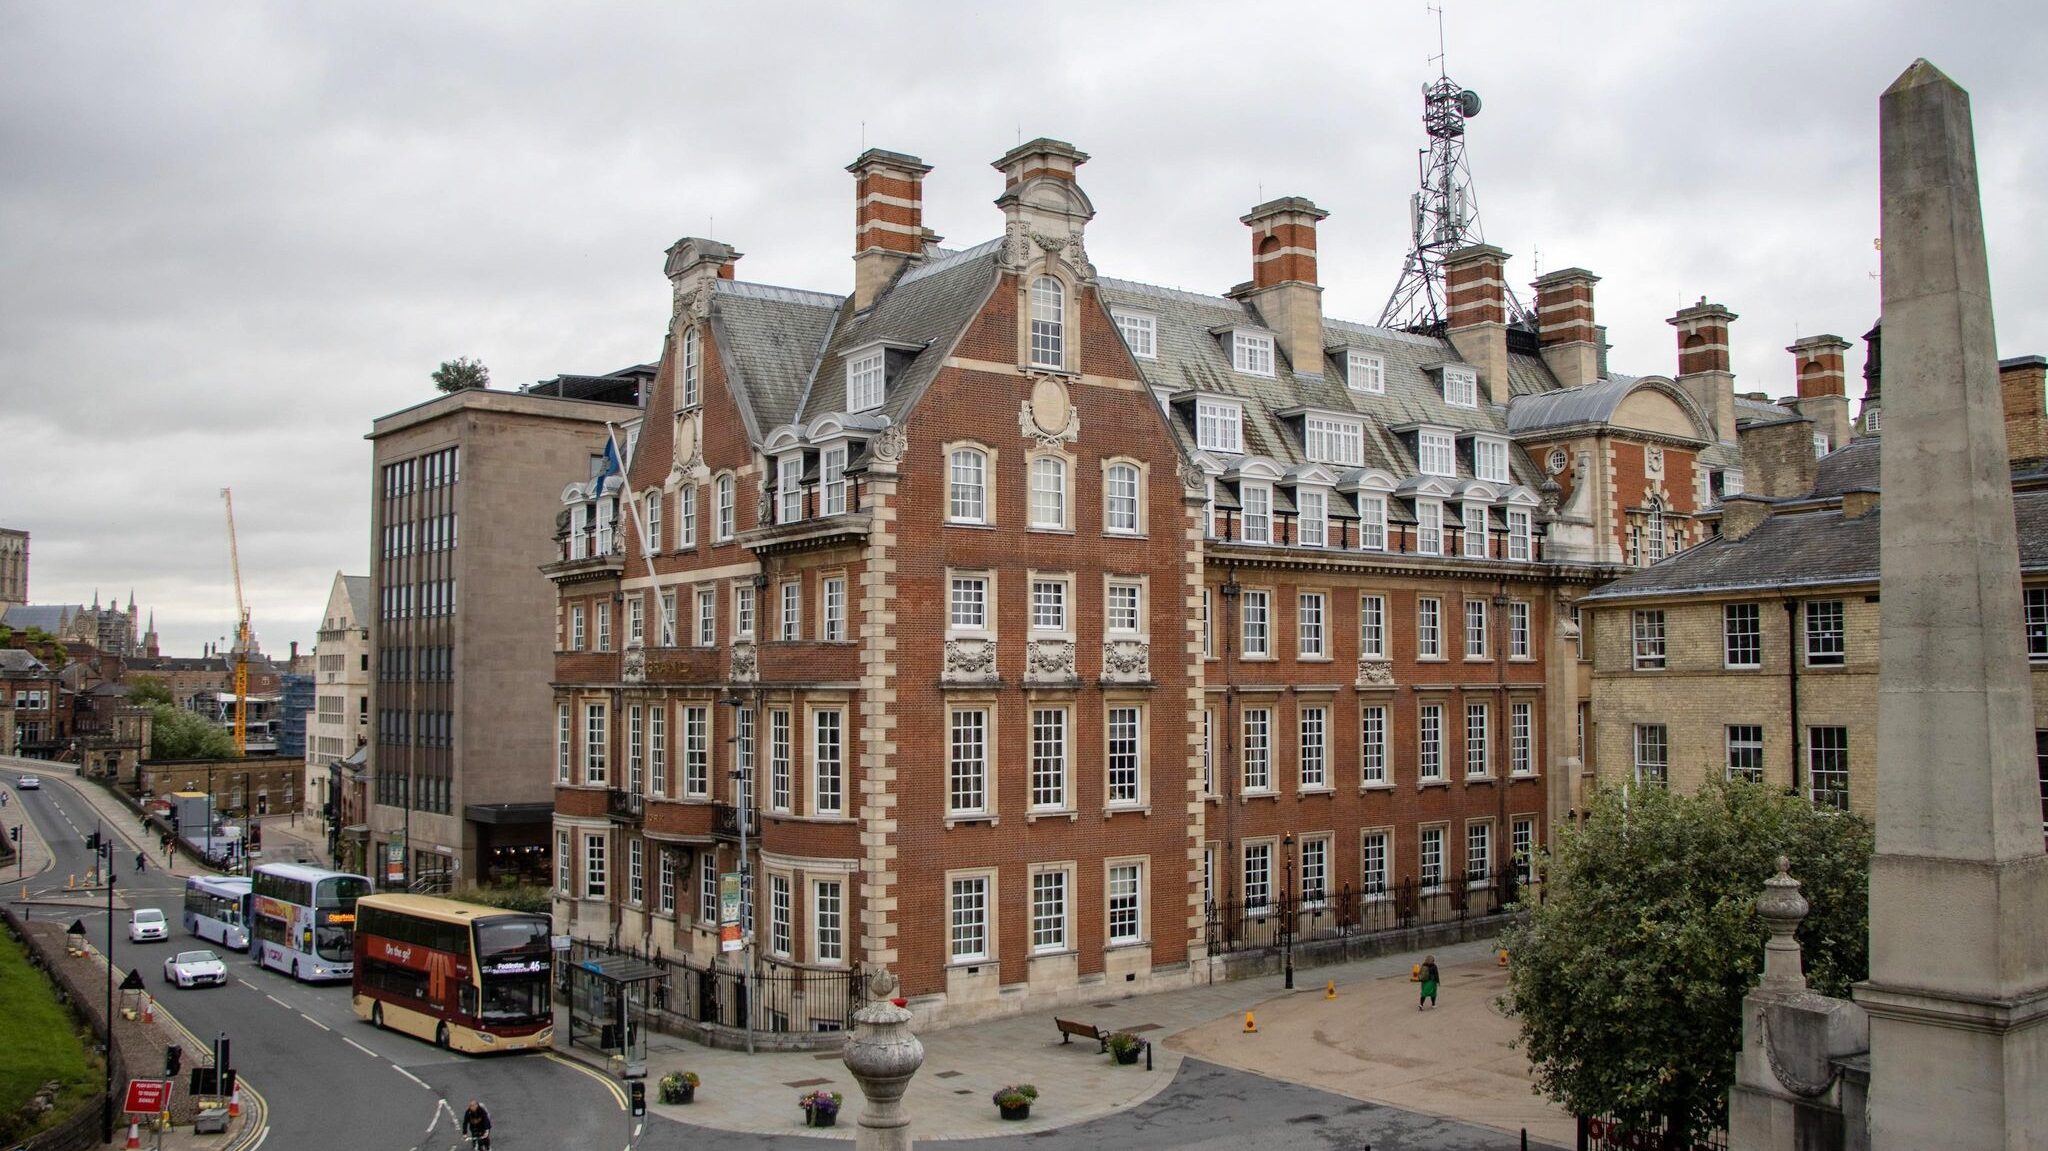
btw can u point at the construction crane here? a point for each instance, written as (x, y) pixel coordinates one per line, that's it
(241, 648)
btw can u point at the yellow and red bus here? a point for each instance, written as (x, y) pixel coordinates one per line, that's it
(467, 977)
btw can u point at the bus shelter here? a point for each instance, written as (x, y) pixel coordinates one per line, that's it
(608, 997)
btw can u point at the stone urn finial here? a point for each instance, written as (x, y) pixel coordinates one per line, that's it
(882, 1054)
(1783, 909)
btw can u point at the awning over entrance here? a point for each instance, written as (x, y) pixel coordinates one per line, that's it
(509, 813)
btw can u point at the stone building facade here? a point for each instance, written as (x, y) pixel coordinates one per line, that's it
(1043, 632)
(340, 722)
(1756, 655)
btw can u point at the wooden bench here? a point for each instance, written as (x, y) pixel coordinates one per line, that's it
(1069, 1029)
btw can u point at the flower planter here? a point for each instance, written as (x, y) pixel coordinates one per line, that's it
(822, 1119)
(1126, 1057)
(1020, 1111)
(680, 1095)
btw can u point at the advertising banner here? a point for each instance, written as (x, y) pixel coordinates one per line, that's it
(729, 912)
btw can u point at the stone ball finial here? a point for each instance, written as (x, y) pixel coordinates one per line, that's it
(881, 983)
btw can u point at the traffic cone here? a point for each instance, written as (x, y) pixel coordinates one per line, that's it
(1503, 957)
(1415, 974)
(235, 1101)
(1330, 990)
(134, 1138)
(148, 1008)
(1251, 1025)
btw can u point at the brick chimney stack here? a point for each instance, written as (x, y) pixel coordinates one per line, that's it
(2023, 384)
(1283, 286)
(1564, 325)
(1476, 295)
(1703, 363)
(1823, 385)
(888, 219)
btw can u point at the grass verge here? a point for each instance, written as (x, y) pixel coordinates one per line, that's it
(43, 1043)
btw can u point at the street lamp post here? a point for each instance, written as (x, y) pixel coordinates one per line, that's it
(743, 761)
(1287, 913)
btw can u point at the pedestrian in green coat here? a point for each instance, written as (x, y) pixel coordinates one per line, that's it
(1429, 981)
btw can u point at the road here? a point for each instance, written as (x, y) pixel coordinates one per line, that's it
(327, 1079)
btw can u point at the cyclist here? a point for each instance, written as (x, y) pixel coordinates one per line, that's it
(476, 1123)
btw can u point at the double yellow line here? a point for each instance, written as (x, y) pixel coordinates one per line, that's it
(255, 1109)
(611, 1085)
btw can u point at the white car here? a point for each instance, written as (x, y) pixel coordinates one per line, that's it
(195, 969)
(147, 923)
(28, 783)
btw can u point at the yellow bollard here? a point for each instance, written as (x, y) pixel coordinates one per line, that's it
(1251, 1025)
(1503, 957)
(1415, 974)
(71, 881)
(1330, 990)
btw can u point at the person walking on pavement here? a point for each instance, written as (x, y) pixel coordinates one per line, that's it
(476, 1123)
(1429, 982)
(141, 862)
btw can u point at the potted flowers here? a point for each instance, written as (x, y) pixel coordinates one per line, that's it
(679, 1087)
(1125, 1046)
(1015, 1102)
(821, 1108)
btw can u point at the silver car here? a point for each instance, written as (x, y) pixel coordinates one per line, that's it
(147, 923)
(28, 783)
(195, 969)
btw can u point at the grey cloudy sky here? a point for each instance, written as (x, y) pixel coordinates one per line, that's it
(233, 234)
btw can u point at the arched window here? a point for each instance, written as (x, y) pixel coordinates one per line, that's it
(1120, 499)
(969, 500)
(1653, 533)
(1048, 492)
(689, 388)
(1048, 323)
(725, 514)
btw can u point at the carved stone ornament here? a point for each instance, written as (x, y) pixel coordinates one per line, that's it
(1049, 416)
(745, 664)
(687, 448)
(970, 660)
(633, 668)
(1193, 478)
(695, 301)
(1375, 673)
(881, 983)
(890, 446)
(1653, 461)
(1049, 661)
(1126, 661)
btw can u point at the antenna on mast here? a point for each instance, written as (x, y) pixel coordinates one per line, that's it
(1443, 214)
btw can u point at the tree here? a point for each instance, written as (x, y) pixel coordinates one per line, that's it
(1628, 979)
(461, 374)
(180, 734)
(147, 689)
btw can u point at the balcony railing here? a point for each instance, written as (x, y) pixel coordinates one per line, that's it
(1340, 535)
(725, 821)
(627, 805)
(813, 500)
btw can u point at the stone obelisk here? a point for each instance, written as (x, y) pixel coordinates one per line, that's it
(1958, 989)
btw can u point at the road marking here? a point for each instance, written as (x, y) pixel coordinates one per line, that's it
(260, 1138)
(245, 983)
(618, 1092)
(410, 1075)
(360, 1047)
(276, 1000)
(314, 1022)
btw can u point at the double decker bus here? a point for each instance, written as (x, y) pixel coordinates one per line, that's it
(303, 919)
(217, 909)
(468, 977)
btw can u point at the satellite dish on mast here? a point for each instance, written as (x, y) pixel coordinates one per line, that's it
(1468, 103)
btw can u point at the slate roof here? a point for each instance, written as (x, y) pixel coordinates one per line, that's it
(52, 618)
(1803, 549)
(1569, 407)
(358, 588)
(15, 661)
(1852, 467)
(1191, 358)
(768, 342)
(928, 306)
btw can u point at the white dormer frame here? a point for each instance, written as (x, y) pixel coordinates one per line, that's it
(1364, 372)
(1228, 414)
(1445, 442)
(785, 438)
(1252, 349)
(1460, 385)
(789, 487)
(1481, 443)
(1255, 474)
(1140, 331)
(866, 379)
(1472, 508)
(1312, 484)
(1336, 422)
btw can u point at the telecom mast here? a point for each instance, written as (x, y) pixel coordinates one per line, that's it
(1443, 215)
(241, 650)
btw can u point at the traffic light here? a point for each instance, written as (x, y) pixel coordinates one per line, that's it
(14, 833)
(92, 842)
(174, 1057)
(637, 1091)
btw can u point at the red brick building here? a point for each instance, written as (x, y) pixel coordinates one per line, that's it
(1067, 627)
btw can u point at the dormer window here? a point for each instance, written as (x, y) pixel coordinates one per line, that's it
(1048, 323)
(1461, 387)
(1490, 459)
(1140, 333)
(832, 480)
(1364, 373)
(1372, 522)
(1475, 530)
(1313, 504)
(1257, 500)
(864, 381)
(689, 388)
(1252, 353)
(789, 492)
(1334, 441)
(1435, 453)
(1219, 426)
(1429, 527)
